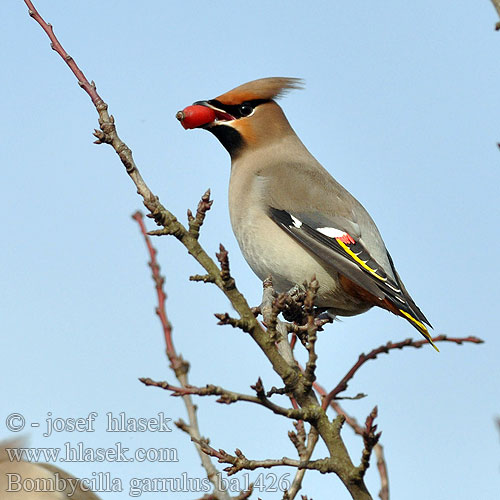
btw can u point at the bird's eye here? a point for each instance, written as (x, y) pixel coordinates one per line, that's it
(245, 109)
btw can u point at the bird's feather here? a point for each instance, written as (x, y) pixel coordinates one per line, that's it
(265, 88)
(338, 249)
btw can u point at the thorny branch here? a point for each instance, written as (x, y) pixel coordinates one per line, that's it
(297, 383)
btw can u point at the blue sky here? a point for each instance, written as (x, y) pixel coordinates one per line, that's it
(400, 105)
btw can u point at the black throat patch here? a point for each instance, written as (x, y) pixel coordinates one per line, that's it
(229, 137)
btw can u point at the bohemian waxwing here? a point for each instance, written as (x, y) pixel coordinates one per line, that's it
(291, 218)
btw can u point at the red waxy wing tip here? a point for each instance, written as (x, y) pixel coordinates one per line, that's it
(347, 239)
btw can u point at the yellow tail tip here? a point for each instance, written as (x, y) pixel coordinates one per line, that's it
(420, 327)
(432, 344)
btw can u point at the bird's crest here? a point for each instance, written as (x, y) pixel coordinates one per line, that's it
(264, 88)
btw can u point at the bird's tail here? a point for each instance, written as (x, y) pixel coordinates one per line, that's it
(419, 326)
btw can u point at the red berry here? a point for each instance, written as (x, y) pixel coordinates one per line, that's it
(195, 116)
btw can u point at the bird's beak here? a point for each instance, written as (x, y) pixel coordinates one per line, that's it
(202, 114)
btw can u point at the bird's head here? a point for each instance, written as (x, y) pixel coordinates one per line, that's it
(246, 116)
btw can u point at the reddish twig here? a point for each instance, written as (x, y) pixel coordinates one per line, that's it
(177, 363)
(159, 281)
(108, 134)
(382, 470)
(363, 358)
(89, 87)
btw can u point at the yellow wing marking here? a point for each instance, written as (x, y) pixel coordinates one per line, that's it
(419, 324)
(358, 260)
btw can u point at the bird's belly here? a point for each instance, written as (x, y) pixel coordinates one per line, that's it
(290, 264)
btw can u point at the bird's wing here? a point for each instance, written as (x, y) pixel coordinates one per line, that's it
(414, 308)
(336, 247)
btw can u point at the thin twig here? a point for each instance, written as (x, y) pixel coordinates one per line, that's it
(363, 358)
(305, 457)
(382, 470)
(370, 439)
(159, 281)
(177, 363)
(196, 222)
(228, 397)
(89, 87)
(240, 462)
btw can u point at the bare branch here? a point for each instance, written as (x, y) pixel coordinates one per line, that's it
(363, 358)
(159, 281)
(206, 278)
(305, 457)
(240, 462)
(270, 308)
(370, 439)
(225, 274)
(225, 319)
(378, 449)
(201, 444)
(195, 223)
(177, 363)
(90, 88)
(382, 470)
(312, 330)
(229, 397)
